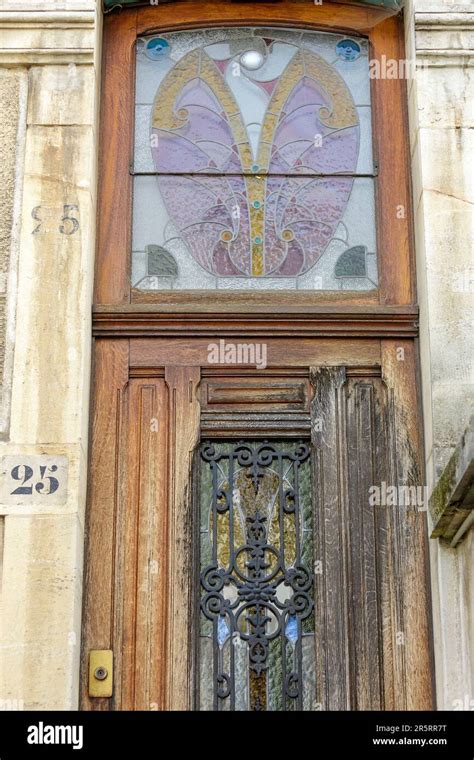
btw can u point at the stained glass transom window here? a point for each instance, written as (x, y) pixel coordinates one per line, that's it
(253, 162)
(256, 642)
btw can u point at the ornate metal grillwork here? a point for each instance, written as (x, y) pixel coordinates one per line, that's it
(256, 579)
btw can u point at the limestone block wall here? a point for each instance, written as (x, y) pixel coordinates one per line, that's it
(49, 74)
(13, 92)
(440, 34)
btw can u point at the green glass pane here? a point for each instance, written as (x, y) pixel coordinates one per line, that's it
(205, 494)
(306, 504)
(290, 651)
(205, 625)
(309, 673)
(275, 677)
(241, 673)
(206, 654)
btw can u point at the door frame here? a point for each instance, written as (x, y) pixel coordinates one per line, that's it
(149, 351)
(390, 142)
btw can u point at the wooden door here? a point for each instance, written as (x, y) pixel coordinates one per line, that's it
(339, 379)
(370, 584)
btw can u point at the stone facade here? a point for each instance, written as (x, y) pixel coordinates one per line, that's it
(49, 53)
(13, 88)
(49, 94)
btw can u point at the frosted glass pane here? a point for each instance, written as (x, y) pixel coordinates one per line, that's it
(365, 163)
(143, 161)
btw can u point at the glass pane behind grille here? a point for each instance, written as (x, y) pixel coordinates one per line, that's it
(257, 649)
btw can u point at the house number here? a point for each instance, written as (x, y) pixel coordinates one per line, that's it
(34, 479)
(49, 220)
(47, 484)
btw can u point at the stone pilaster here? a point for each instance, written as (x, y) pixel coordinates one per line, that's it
(51, 49)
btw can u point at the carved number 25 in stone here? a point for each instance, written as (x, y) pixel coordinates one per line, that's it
(69, 224)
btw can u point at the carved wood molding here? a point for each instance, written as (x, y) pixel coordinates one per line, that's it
(183, 415)
(314, 321)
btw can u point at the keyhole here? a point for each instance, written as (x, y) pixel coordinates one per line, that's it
(100, 673)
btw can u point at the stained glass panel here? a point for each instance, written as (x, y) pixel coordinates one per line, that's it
(253, 160)
(257, 649)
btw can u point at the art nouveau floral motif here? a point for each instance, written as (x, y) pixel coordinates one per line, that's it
(258, 197)
(253, 166)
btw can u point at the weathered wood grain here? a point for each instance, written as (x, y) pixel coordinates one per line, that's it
(399, 371)
(109, 403)
(330, 541)
(112, 280)
(183, 434)
(372, 596)
(393, 198)
(286, 353)
(141, 576)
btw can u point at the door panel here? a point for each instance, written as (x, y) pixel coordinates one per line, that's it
(183, 432)
(100, 620)
(140, 591)
(126, 561)
(372, 645)
(372, 602)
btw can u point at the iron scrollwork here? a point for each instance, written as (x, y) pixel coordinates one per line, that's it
(257, 596)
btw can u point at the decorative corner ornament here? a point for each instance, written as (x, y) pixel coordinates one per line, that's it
(160, 263)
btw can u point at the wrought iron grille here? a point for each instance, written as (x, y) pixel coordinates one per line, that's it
(257, 608)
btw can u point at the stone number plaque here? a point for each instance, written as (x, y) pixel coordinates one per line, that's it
(34, 479)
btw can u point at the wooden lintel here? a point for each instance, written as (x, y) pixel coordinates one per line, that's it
(351, 321)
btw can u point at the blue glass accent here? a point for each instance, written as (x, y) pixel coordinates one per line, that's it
(256, 204)
(291, 629)
(222, 630)
(348, 50)
(255, 168)
(257, 239)
(157, 48)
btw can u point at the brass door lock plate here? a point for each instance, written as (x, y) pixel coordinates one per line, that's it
(101, 672)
